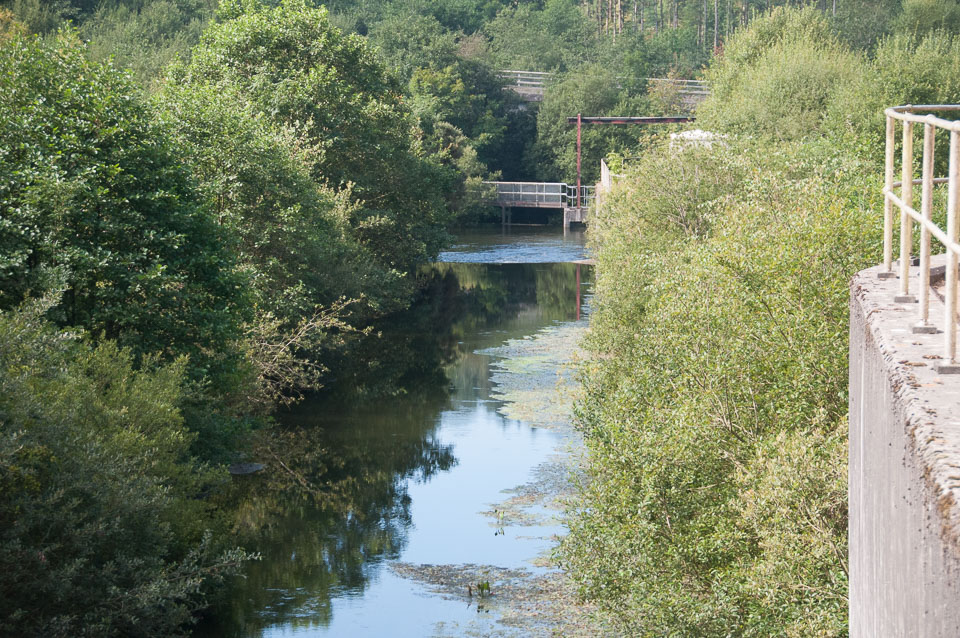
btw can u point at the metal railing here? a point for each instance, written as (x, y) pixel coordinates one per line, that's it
(587, 196)
(536, 194)
(536, 81)
(530, 194)
(908, 116)
(685, 87)
(526, 78)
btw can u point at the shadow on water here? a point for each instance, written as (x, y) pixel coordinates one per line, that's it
(334, 502)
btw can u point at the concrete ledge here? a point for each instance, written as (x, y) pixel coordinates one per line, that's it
(904, 471)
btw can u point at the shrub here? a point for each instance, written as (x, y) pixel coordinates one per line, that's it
(716, 399)
(907, 69)
(777, 77)
(923, 16)
(101, 530)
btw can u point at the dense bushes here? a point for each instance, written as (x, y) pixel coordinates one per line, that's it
(777, 78)
(907, 69)
(788, 78)
(715, 406)
(715, 411)
(101, 530)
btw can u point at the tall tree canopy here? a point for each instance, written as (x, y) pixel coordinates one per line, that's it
(95, 199)
(346, 111)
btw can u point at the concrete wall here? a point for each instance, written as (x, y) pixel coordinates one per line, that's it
(904, 470)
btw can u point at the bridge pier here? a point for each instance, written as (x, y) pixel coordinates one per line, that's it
(506, 215)
(573, 214)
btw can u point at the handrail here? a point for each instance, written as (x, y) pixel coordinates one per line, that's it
(909, 115)
(559, 193)
(538, 79)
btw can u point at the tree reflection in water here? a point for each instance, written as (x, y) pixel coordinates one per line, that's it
(332, 503)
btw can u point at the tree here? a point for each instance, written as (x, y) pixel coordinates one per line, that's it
(308, 272)
(345, 110)
(94, 195)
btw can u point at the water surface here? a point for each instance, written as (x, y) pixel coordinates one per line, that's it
(517, 244)
(352, 488)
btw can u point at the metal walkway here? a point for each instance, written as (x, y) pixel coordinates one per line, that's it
(535, 194)
(558, 195)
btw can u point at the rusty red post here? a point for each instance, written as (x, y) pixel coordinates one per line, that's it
(578, 292)
(578, 160)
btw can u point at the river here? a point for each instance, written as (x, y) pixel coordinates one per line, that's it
(388, 516)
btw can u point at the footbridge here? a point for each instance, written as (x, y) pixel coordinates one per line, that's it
(531, 85)
(573, 201)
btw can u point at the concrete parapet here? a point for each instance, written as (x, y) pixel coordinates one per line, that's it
(904, 472)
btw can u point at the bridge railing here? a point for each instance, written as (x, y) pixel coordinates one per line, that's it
(535, 194)
(537, 80)
(531, 194)
(685, 87)
(586, 198)
(908, 116)
(526, 78)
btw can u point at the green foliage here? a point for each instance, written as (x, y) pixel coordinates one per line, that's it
(905, 70)
(678, 198)
(862, 23)
(93, 193)
(410, 41)
(145, 36)
(142, 35)
(529, 39)
(716, 400)
(923, 16)
(101, 531)
(445, 85)
(777, 78)
(344, 110)
(41, 16)
(292, 236)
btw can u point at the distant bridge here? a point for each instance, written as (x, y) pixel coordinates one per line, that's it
(530, 86)
(558, 195)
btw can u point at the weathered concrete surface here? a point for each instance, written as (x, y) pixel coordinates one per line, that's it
(904, 470)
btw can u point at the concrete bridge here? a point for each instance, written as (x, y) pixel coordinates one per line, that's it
(530, 86)
(558, 195)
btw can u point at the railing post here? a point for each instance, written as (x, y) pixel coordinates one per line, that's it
(906, 223)
(950, 301)
(926, 206)
(887, 204)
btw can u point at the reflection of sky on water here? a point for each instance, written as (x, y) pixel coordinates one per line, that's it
(418, 472)
(516, 245)
(493, 454)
